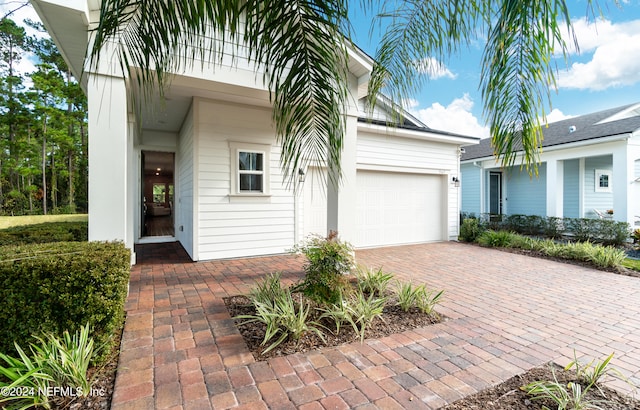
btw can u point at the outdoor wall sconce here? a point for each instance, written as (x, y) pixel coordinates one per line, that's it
(301, 175)
(456, 181)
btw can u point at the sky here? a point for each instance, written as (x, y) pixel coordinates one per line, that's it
(605, 73)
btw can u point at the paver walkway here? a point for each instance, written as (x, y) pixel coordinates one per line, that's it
(507, 313)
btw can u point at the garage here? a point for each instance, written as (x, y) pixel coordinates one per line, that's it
(398, 208)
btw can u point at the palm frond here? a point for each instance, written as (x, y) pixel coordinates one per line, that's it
(518, 75)
(298, 45)
(417, 31)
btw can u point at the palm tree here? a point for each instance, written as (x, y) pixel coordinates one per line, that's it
(301, 47)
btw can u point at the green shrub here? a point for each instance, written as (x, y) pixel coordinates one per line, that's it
(607, 256)
(328, 259)
(44, 233)
(267, 290)
(496, 239)
(553, 227)
(284, 318)
(373, 281)
(55, 362)
(470, 230)
(62, 286)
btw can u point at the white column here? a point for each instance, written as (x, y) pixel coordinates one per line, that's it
(109, 160)
(341, 200)
(581, 187)
(555, 188)
(622, 185)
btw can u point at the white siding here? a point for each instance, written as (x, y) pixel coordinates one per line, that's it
(232, 226)
(415, 156)
(184, 185)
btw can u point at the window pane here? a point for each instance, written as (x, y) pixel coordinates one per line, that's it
(250, 161)
(604, 181)
(159, 191)
(251, 182)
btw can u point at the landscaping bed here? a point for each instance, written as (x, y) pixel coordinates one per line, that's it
(510, 396)
(393, 320)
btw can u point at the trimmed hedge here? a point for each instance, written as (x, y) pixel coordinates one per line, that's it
(607, 232)
(44, 233)
(62, 286)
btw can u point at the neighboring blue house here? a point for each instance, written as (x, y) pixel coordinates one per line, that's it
(589, 165)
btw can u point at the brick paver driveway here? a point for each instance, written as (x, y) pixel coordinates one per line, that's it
(506, 313)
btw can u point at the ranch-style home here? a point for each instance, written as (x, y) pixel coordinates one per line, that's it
(202, 166)
(590, 168)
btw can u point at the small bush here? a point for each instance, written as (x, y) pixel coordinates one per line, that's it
(496, 239)
(56, 287)
(44, 233)
(607, 257)
(284, 318)
(268, 290)
(373, 281)
(55, 362)
(328, 260)
(470, 230)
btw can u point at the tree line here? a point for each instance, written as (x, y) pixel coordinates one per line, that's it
(43, 127)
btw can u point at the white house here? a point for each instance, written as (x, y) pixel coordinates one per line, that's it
(202, 166)
(589, 165)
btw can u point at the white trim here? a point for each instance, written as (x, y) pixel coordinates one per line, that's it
(404, 170)
(424, 135)
(599, 173)
(577, 144)
(234, 150)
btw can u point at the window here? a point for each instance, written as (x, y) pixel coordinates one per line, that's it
(251, 171)
(603, 180)
(250, 164)
(159, 192)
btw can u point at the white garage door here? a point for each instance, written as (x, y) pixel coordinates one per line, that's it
(396, 208)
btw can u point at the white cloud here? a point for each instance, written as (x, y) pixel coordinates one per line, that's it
(612, 64)
(28, 60)
(434, 69)
(455, 117)
(556, 115)
(411, 103)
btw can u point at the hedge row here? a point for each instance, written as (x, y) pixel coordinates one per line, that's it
(607, 232)
(45, 233)
(62, 286)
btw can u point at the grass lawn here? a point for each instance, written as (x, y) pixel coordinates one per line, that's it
(631, 264)
(10, 221)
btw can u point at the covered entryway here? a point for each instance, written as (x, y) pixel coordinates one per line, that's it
(399, 208)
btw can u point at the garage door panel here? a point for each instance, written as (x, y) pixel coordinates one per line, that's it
(396, 208)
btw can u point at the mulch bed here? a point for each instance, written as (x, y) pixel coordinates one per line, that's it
(510, 396)
(394, 320)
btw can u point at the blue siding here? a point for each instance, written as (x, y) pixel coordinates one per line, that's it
(571, 199)
(526, 195)
(470, 188)
(592, 199)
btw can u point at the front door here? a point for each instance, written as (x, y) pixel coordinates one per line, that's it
(157, 194)
(495, 193)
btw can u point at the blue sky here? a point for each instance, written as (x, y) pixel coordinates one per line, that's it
(605, 74)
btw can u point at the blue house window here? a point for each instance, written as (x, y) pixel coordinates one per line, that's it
(603, 180)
